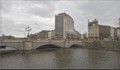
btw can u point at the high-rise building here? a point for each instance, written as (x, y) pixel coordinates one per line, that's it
(64, 27)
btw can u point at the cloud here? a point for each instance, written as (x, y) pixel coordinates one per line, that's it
(16, 15)
(40, 14)
(105, 11)
(0, 18)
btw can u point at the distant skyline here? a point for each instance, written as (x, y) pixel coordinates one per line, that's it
(40, 14)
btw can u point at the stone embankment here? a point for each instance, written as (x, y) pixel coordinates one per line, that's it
(107, 45)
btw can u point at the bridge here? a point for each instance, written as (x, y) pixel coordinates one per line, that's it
(29, 44)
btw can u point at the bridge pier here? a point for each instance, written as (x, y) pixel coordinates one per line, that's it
(28, 44)
(66, 43)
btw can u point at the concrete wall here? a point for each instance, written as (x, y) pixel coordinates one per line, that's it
(16, 45)
(104, 44)
(110, 44)
(28, 44)
(70, 43)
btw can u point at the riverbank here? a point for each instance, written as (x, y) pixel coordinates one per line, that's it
(101, 48)
(104, 45)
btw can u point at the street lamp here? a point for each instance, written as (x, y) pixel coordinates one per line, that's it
(28, 29)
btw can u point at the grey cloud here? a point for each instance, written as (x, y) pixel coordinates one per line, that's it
(0, 18)
(31, 7)
(6, 6)
(38, 26)
(43, 12)
(0, 4)
(10, 27)
(106, 11)
(10, 14)
(47, 9)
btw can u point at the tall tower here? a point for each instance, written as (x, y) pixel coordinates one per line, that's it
(64, 26)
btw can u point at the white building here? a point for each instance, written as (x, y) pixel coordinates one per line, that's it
(50, 35)
(118, 31)
(113, 33)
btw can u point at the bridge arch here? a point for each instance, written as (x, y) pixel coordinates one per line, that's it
(16, 45)
(41, 44)
(48, 46)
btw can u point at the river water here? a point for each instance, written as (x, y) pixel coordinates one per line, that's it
(62, 58)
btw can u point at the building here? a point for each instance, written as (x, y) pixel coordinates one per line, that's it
(7, 37)
(118, 33)
(93, 30)
(50, 35)
(84, 36)
(98, 32)
(43, 35)
(113, 33)
(64, 27)
(104, 32)
(53, 34)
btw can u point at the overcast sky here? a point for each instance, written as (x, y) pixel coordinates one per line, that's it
(40, 14)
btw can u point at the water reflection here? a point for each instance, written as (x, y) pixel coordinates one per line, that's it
(63, 58)
(7, 49)
(104, 59)
(68, 58)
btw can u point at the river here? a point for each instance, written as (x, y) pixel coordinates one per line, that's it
(62, 58)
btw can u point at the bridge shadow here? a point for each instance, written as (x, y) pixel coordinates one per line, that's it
(48, 46)
(2, 47)
(75, 46)
(7, 48)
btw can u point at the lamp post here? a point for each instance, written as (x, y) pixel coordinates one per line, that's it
(28, 29)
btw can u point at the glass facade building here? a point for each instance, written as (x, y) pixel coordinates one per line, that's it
(64, 27)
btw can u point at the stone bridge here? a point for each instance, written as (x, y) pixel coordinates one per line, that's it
(29, 44)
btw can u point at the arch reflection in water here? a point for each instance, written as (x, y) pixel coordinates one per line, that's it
(48, 46)
(75, 46)
(7, 48)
